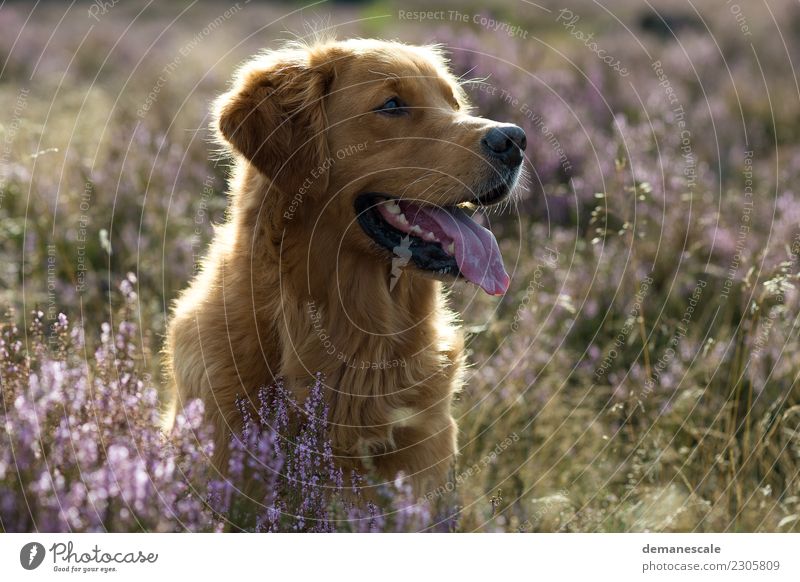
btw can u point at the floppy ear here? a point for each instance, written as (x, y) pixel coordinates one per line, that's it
(275, 117)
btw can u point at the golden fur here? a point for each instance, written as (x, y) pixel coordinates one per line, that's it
(292, 286)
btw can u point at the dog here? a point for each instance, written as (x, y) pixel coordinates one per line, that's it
(357, 164)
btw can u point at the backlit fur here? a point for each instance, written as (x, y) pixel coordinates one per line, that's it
(292, 286)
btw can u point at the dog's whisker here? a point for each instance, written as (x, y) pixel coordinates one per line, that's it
(420, 179)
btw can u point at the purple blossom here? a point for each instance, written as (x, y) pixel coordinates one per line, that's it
(83, 450)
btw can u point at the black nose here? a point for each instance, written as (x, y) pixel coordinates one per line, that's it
(506, 143)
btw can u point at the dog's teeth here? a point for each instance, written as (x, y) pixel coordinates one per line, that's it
(415, 230)
(401, 218)
(451, 248)
(429, 236)
(392, 207)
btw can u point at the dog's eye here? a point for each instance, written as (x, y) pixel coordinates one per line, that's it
(392, 106)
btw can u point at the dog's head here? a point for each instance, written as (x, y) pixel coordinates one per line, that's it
(371, 146)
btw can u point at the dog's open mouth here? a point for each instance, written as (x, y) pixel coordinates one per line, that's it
(442, 240)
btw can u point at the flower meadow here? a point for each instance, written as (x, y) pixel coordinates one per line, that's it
(640, 375)
(83, 449)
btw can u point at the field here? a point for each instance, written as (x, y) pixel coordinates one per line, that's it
(640, 375)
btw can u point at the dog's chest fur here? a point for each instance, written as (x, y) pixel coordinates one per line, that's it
(390, 366)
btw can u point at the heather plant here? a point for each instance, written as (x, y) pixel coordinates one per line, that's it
(83, 448)
(645, 355)
(283, 476)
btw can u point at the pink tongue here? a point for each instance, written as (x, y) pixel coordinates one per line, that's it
(476, 250)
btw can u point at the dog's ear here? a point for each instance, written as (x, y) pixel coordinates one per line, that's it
(275, 116)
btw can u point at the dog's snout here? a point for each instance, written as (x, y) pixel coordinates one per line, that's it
(506, 143)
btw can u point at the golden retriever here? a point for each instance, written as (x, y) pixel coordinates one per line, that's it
(357, 165)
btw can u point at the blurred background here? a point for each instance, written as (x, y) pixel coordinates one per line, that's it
(642, 372)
